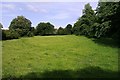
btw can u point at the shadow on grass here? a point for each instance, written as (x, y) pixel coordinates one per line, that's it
(107, 42)
(91, 73)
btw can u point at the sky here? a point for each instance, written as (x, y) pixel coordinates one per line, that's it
(57, 13)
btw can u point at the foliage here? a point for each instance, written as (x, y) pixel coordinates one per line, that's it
(106, 12)
(1, 26)
(61, 31)
(20, 24)
(68, 29)
(10, 34)
(84, 24)
(45, 29)
(30, 34)
(103, 23)
(32, 30)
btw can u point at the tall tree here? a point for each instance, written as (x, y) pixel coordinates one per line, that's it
(108, 17)
(84, 24)
(21, 25)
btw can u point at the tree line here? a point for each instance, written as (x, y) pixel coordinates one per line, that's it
(102, 22)
(21, 27)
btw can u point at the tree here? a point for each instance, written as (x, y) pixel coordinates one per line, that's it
(45, 29)
(103, 23)
(68, 29)
(1, 26)
(61, 31)
(21, 25)
(76, 28)
(84, 24)
(115, 23)
(108, 14)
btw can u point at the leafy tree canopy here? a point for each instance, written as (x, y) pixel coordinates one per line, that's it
(21, 25)
(45, 28)
(68, 29)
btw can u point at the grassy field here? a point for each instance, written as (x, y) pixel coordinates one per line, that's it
(59, 56)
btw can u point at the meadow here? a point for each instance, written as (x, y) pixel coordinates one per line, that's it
(66, 56)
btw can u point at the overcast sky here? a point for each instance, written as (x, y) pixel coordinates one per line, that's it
(58, 13)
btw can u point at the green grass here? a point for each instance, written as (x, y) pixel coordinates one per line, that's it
(58, 56)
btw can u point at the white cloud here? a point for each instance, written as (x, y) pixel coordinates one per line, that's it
(36, 8)
(59, 16)
(32, 8)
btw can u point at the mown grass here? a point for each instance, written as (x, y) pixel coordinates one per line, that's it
(58, 56)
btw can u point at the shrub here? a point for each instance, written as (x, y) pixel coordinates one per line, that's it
(30, 34)
(7, 34)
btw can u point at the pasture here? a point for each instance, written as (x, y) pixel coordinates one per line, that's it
(66, 56)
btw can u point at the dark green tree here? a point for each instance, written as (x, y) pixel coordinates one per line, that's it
(108, 14)
(21, 25)
(45, 29)
(61, 31)
(85, 23)
(68, 29)
(1, 26)
(103, 23)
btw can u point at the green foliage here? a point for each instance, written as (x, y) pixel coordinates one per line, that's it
(103, 23)
(61, 31)
(1, 26)
(10, 34)
(20, 24)
(84, 24)
(108, 18)
(45, 29)
(33, 30)
(94, 32)
(68, 29)
(30, 34)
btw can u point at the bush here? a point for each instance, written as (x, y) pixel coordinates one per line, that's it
(7, 34)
